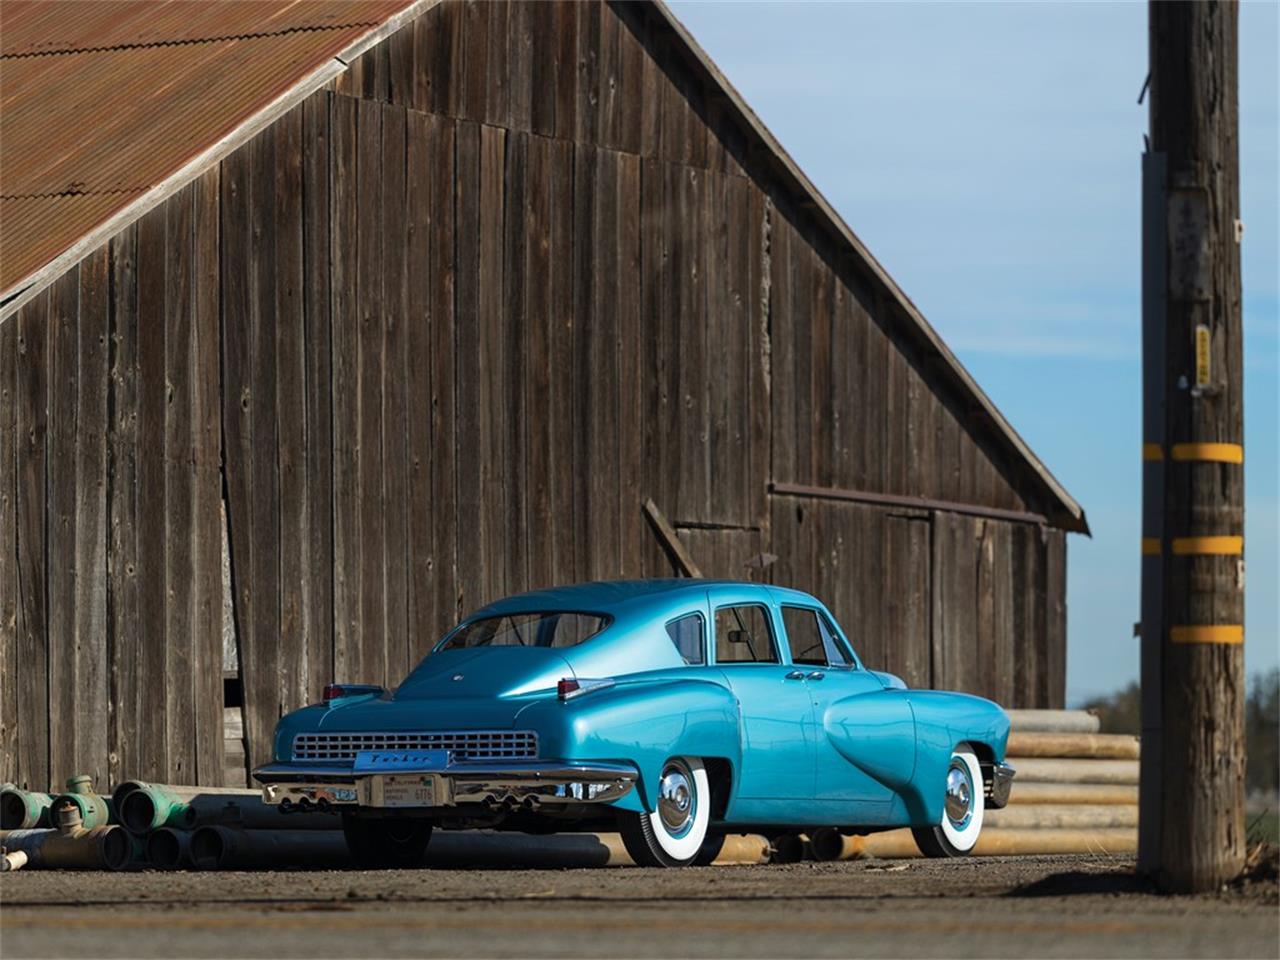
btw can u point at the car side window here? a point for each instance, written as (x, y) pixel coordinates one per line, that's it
(811, 640)
(687, 634)
(744, 635)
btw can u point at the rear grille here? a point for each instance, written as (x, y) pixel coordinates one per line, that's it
(463, 744)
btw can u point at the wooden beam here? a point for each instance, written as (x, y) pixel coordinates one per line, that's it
(910, 503)
(666, 535)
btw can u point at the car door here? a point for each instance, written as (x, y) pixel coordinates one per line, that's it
(777, 713)
(864, 737)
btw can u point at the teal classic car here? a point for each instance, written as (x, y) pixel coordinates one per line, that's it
(674, 711)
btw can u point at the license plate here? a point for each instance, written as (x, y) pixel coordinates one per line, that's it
(407, 790)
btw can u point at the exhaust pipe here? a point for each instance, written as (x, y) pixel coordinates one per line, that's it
(230, 848)
(75, 849)
(169, 849)
(143, 807)
(23, 809)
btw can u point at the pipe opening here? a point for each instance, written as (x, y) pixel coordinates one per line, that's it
(207, 849)
(13, 811)
(138, 811)
(827, 844)
(164, 849)
(117, 849)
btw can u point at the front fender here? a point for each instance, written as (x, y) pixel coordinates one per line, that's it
(643, 723)
(944, 720)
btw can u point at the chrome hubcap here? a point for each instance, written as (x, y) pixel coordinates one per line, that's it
(675, 798)
(959, 802)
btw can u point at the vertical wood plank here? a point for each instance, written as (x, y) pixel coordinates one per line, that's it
(563, 306)
(1056, 617)
(539, 332)
(655, 356)
(444, 410)
(125, 643)
(397, 417)
(609, 126)
(32, 451)
(515, 322)
(371, 365)
(318, 608)
(469, 387)
(585, 332)
(492, 352)
(422, 549)
(344, 384)
(632, 526)
(475, 59)
(9, 678)
(540, 21)
(207, 596)
(153, 513)
(260, 657)
(602, 397)
(179, 490)
(291, 407)
(564, 14)
(60, 521)
(519, 63)
(782, 357)
(587, 114)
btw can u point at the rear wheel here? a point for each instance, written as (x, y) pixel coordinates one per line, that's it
(962, 809)
(387, 842)
(673, 835)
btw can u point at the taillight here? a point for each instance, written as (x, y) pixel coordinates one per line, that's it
(570, 687)
(336, 691)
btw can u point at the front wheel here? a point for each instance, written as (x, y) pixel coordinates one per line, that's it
(673, 835)
(390, 842)
(962, 808)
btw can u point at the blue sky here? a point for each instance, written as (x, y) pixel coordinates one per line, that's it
(989, 156)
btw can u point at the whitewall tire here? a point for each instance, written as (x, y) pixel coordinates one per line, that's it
(673, 834)
(963, 806)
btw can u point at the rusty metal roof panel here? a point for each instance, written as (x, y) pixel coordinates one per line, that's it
(100, 101)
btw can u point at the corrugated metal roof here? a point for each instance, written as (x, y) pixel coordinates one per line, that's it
(100, 100)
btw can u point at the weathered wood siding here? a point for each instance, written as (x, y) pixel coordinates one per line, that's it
(434, 337)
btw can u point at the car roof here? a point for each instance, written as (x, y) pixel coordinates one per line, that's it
(611, 596)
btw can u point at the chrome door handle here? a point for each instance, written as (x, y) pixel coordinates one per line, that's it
(795, 675)
(817, 675)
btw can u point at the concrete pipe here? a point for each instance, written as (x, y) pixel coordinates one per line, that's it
(1091, 793)
(743, 848)
(1076, 816)
(230, 848)
(23, 809)
(830, 844)
(169, 848)
(899, 844)
(790, 848)
(494, 848)
(1047, 770)
(1053, 721)
(102, 847)
(1092, 746)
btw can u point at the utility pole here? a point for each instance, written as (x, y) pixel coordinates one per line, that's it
(1191, 835)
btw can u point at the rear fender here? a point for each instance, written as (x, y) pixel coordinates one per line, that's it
(642, 723)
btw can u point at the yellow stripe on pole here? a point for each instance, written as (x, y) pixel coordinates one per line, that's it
(1152, 451)
(1151, 546)
(1218, 633)
(1204, 546)
(1209, 452)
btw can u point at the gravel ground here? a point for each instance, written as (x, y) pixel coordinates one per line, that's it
(996, 907)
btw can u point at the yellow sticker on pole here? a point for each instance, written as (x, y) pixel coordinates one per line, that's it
(1202, 355)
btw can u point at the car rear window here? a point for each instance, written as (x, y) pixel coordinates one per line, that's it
(559, 629)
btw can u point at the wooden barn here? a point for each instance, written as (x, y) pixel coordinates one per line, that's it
(324, 323)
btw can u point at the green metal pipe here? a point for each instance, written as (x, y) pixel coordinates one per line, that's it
(142, 807)
(95, 810)
(24, 809)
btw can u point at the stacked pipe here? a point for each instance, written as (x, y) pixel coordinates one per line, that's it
(1076, 791)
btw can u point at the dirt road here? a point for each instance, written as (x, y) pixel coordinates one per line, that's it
(1028, 907)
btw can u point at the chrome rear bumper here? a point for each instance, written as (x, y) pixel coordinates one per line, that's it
(527, 783)
(1001, 783)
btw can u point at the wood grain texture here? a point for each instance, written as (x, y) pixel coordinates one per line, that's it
(9, 715)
